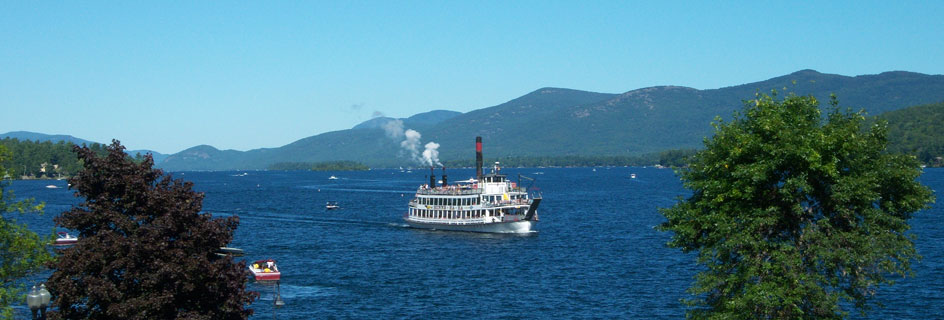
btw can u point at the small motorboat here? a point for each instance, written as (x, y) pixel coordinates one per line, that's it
(632, 176)
(65, 239)
(52, 186)
(230, 251)
(265, 270)
(332, 178)
(331, 205)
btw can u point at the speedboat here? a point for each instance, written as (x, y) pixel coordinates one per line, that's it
(65, 239)
(230, 251)
(265, 270)
(332, 178)
(52, 186)
(331, 205)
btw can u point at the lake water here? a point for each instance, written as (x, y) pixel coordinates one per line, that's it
(595, 253)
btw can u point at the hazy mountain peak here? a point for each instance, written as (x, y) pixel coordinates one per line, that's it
(649, 90)
(806, 72)
(426, 118)
(432, 117)
(35, 136)
(377, 122)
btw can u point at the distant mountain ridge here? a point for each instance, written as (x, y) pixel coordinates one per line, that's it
(42, 137)
(552, 122)
(55, 138)
(425, 118)
(564, 122)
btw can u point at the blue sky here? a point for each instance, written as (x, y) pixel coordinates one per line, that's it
(168, 76)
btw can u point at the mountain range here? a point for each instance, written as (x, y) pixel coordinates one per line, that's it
(554, 122)
(55, 138)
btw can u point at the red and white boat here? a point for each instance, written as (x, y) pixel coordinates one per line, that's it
(265, 270)
(65, 239)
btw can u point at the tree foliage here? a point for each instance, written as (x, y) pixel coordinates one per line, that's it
(21, 250)
(793, 214)
(145, 250)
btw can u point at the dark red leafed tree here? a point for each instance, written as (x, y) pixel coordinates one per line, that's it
(145, 250)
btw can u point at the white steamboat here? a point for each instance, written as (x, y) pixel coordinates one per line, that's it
(489, 203)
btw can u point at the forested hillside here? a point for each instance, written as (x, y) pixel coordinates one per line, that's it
(46, 159)
(919, 131)
(33, 159)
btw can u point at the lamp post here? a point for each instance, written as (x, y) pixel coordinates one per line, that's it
(38, 300)
(44, 300)
(33, 301)
(278, 300)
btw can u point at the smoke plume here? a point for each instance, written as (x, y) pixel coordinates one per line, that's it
(431, 154)
(411, 144)
(394, 129)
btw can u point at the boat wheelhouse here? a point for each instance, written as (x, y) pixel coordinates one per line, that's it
(490, 203)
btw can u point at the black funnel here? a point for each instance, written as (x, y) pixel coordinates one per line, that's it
(444, 176)
(478, 158)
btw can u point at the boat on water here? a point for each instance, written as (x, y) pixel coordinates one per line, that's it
(490, 203)
(65, 239)
(632, 176)
(230, 251)
(265, 270)
(52, 186)
(332, 178)
(331, 205)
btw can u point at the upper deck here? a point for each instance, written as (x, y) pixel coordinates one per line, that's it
(493, 183)
(469, 190)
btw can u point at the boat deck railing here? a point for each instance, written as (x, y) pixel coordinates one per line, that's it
(500, 204)
(449, 221)
(450, 190)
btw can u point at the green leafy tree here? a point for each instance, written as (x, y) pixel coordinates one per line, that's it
(145, 250)
(21, 250)
(792, 214)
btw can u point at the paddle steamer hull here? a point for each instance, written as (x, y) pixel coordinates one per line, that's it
(495, 227)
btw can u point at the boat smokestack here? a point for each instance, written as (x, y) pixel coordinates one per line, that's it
(478, 158)
(444, 176)
(432, 178)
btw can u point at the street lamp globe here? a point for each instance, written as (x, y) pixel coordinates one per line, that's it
(44, 296)
(33, 300)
